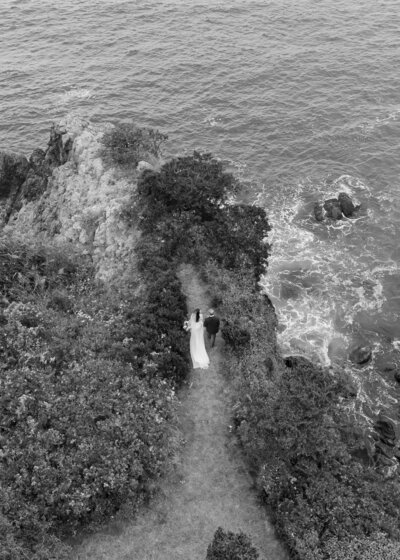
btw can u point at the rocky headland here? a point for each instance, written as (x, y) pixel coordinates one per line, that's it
(125, 226)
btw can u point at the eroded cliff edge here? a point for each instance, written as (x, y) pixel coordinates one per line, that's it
(66, 195)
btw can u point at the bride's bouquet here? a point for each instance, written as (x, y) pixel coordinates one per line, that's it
(186, 326)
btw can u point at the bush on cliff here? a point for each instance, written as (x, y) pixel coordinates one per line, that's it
(197, 185)
(126, 144)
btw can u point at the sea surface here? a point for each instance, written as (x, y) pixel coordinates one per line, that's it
(300, 99)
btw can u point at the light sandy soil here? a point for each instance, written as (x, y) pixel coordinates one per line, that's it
(209, 488)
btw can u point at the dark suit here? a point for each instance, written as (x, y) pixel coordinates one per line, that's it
(212, 327)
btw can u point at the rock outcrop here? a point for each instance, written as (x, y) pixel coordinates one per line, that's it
(335, 208)
(13, 172)
(332, 208)
(346, 205)
(21, 179)
(68, 196)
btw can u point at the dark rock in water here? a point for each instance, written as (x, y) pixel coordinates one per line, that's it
(13, 171)
(361, 355)
(297, 361)
(333, 209)
(397, 376)
(346, 204)
(319, 212)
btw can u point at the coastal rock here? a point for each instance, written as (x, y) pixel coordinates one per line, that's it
(346, 204)
(333, 209)
(58, 147)
(319, 212)
(80, 201)
(397, 376)
(13, 171)
(361, 355)
(143, 165)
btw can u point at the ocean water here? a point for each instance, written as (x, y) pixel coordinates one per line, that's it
(301, 99)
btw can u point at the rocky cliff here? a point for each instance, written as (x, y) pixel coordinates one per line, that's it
(67, 195)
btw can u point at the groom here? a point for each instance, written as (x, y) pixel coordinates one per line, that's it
(211, 324)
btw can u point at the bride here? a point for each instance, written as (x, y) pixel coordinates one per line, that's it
(198, 352)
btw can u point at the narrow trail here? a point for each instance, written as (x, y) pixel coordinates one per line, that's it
(210, 486)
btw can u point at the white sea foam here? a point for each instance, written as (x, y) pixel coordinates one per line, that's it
(73, 94)
(212, 120)
(370, 125)
(319, 276)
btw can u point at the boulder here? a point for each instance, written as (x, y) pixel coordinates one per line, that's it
(397, 376)
(319, 212)
(361, 355)
(143, 165)
(13, 171)
(346, 204)
(333, 209)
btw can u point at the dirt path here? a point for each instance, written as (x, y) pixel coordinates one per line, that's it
(210, 487)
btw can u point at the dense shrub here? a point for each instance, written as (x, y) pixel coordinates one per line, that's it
(231, 546)
(236, 337)
(237, 238)
(193, 185)
(84, 426)
(126, 144)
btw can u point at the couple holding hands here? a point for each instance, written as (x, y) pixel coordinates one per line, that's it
(196, 327)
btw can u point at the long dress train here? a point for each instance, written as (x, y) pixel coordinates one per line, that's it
(198, 352)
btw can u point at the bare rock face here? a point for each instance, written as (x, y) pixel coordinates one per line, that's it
(58, 148)
(13, 171)
(346, 205)
(319, 212)
(333, 209)
(71, 197)
(143, 165)
(22, 180)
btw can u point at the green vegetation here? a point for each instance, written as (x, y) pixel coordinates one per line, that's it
(86, 407)
(126, 144)
(88, 377)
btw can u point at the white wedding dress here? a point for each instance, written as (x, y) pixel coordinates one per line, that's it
(198, 352)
